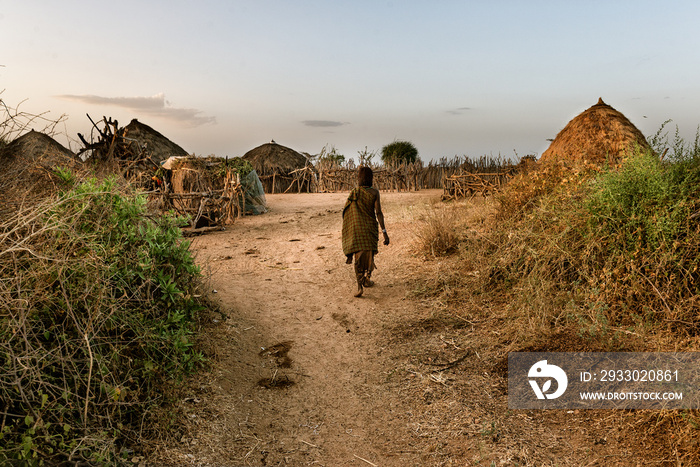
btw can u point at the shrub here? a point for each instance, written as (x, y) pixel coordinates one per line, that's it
(539, 181)
(98, 306)
(643, 238)
(399, 152)
(647, 203)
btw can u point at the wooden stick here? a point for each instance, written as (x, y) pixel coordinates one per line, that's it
(87, 391)
(365, 460)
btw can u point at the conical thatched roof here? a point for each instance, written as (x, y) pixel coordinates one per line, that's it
(598, 134)
(272, 158)
(157, 146)
(32, 147)
(28, 168)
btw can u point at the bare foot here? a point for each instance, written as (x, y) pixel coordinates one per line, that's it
(359, 291)
(368, 283)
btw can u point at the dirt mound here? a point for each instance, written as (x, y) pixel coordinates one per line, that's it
(598, 134)
(28, 168)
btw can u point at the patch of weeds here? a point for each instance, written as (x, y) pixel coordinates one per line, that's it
(97, 323)
(437, 232)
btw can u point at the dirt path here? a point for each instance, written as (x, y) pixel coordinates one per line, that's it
(305, 374)
(301, 377)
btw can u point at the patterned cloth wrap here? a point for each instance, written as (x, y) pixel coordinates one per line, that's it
(360, 226)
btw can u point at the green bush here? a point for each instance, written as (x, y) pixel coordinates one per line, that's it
(647, 203)
(98, 308)
(399, 152)
(237, 164)
(643, 237)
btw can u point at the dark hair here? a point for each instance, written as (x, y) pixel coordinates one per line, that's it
(364, 176)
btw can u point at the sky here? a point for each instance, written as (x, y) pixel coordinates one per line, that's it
(455, 78)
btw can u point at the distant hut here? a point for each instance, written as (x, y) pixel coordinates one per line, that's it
(29, 166)
(276, 166)
(152, 143)
(597, 134)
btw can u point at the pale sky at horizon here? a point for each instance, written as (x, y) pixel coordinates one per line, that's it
(453, 77)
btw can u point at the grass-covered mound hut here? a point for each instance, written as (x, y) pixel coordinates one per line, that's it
(29, 168)
(276, 165)
(599, 134)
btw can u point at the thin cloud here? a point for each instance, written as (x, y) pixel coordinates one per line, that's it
(458, 110)
(323, 123)
(155, 106)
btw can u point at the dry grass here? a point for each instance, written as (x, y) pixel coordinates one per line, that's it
(440, 228)
(569, 264)
(438, 232)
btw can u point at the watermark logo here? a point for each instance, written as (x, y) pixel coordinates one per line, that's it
(604, 380)
(543, 370)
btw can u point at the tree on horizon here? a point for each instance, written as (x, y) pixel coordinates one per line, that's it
(398, 152)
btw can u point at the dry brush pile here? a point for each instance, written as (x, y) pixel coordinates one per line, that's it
(98, 312)
(208, 190)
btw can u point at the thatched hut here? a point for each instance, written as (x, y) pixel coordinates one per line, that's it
(33, 147)
(135, 151)
(154, 144)
(29, 166)
(276, 166)
(597, 135)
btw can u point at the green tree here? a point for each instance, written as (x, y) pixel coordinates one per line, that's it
(398, 152)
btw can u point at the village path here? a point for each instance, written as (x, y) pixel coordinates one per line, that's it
(301, 377)
(302, 373)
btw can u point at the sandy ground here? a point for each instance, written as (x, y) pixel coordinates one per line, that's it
(305, 374)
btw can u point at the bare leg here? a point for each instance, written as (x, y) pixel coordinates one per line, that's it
(360, 289)
(359, 275)
(368, 271)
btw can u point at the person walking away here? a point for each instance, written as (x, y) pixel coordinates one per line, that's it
(362, 217)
